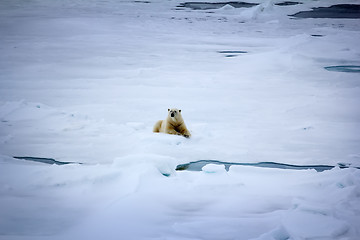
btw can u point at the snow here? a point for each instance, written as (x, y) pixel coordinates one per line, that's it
(84, 82)
(213, 168)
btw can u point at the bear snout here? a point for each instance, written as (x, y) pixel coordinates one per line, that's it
(172, 115)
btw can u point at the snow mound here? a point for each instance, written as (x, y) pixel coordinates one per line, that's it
(213, 168)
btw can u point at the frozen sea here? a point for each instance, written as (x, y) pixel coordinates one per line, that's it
(85, 81)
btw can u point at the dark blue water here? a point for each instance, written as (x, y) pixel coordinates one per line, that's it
(45, 160)
(335, 11)
(198, 165)
(232, 53)
(344, 68)
(216, 5)
(287, 3)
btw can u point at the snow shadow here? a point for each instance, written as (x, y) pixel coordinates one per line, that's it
(344, 68)
(334, 11)
(198, 165)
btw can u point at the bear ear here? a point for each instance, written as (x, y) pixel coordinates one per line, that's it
(168, 109)
(179, 110)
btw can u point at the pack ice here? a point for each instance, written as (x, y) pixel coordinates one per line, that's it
(83, 82)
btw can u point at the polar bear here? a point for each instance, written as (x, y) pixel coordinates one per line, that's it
(173, 124)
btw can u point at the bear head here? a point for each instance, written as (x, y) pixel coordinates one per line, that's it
(174, 113)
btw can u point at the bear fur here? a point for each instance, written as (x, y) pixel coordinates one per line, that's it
(173, 124)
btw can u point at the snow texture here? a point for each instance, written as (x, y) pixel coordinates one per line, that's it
(84, 82)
